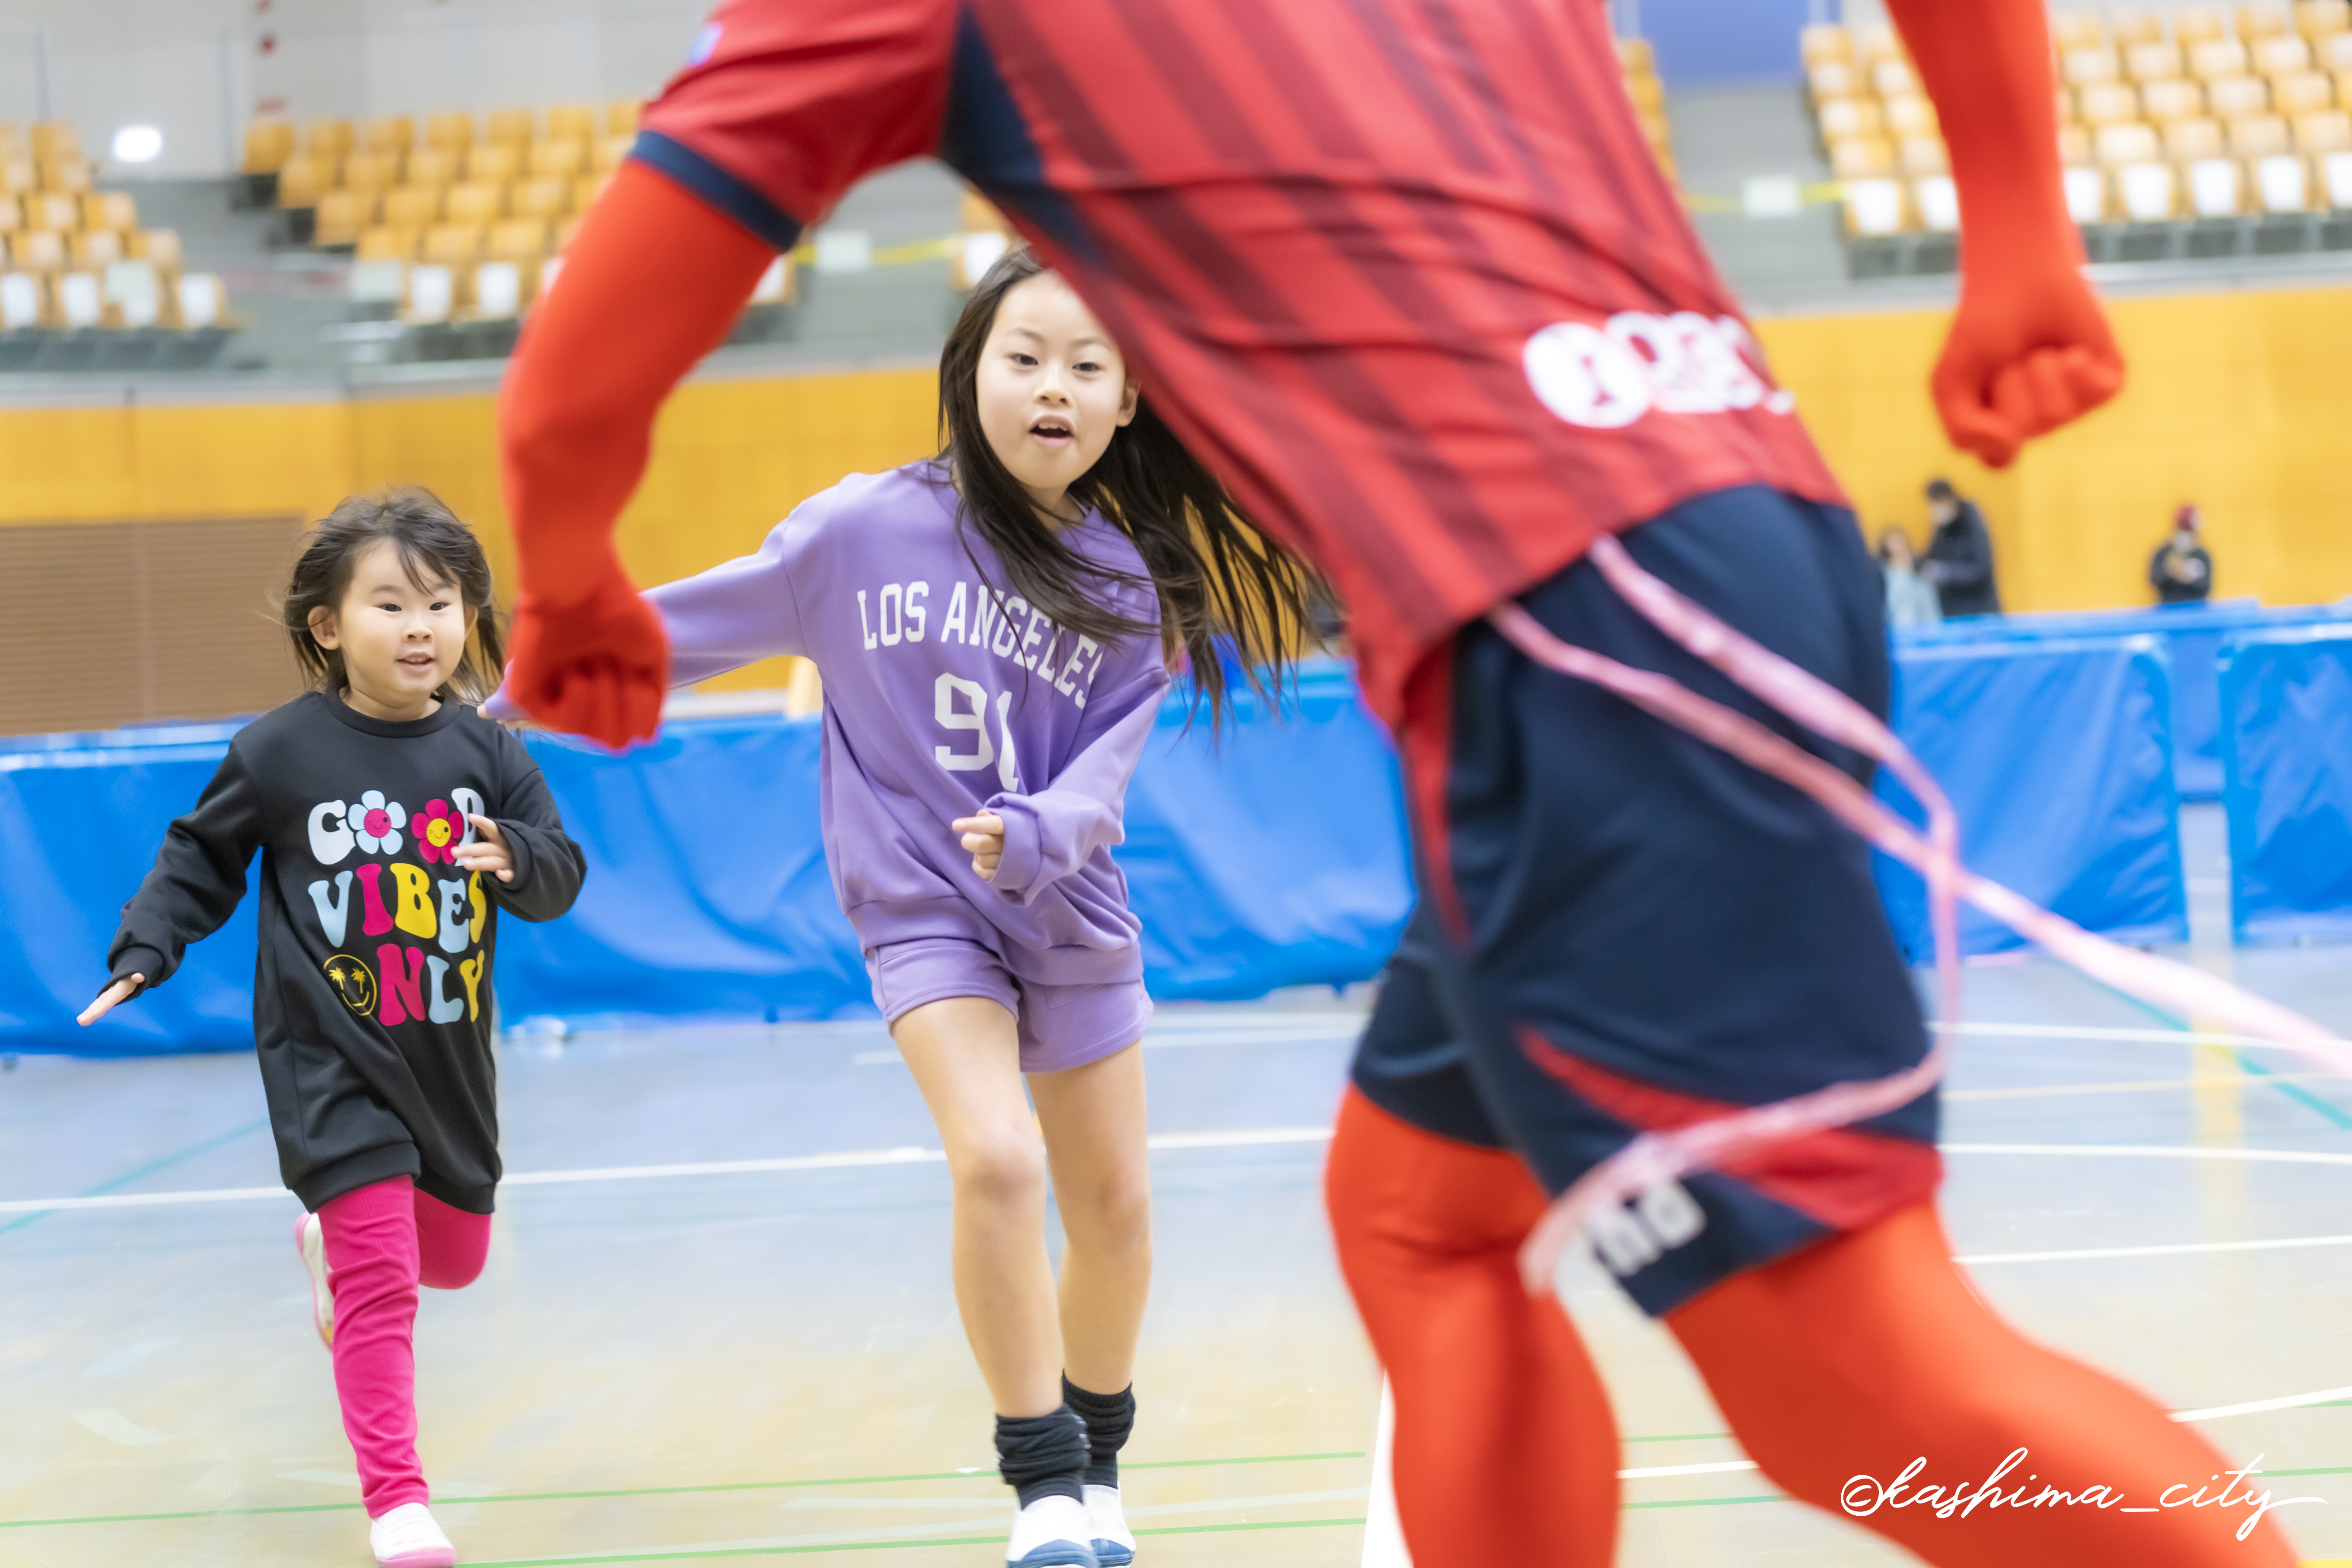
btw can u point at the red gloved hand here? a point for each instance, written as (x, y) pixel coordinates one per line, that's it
(597, 667)
(2024, 359)
(2029, 349)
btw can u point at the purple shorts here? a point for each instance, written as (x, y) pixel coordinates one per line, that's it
(1061, 1026)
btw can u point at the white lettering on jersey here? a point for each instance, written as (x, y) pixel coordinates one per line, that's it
(915, 613)
(861, 626)
(953, 626)
(945, 690)
(1604, 378)
(888, 613)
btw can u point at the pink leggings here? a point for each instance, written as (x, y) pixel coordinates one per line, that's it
(383, 1241)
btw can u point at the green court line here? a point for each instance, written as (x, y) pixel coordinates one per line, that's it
(688, 1555)
(1705, 1501)
(165, 1164)
(2330, 1470)
(1677, 1437)
(654, 1491)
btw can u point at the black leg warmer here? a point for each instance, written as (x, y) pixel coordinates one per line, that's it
(1042, 1456)
(1109, 1417)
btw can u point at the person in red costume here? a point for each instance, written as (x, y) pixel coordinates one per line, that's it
(1407, 277)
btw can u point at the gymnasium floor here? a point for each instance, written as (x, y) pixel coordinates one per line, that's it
(735, 1365)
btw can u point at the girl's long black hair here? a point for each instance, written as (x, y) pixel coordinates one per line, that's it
(1225, 590)
(435, 548)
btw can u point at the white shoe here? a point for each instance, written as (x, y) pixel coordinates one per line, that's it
(1114, 1542)
(310, 1240)
(1052, 1532)
(407, 1538)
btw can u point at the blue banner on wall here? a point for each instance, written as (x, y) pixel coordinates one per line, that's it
(2286, 706)
(1272, 854)
(2057, 758)
(2192, 634)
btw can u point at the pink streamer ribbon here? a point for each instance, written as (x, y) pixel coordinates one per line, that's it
(1655, 1157)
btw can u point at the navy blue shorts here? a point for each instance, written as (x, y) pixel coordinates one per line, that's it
(1623, 928)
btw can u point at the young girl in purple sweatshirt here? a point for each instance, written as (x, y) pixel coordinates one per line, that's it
(995, 629)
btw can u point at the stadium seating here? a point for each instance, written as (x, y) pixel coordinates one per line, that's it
(73, 258)
(481, 206)
(2233, 123)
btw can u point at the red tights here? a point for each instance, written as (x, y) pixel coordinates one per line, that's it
(1852, 1357)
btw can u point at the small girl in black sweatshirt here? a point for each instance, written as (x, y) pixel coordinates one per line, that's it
(394, 823)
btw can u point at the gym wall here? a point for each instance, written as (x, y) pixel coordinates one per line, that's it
(2073, 520)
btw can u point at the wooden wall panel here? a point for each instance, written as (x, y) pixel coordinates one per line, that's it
(104, 623)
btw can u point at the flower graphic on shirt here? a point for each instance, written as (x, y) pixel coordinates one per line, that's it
(376, 822)
(439, 831)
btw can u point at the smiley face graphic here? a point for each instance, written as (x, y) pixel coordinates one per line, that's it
(353, 981)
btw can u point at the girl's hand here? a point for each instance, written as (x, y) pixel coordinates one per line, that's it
(488, 851)
(121, 991)
(984, 836)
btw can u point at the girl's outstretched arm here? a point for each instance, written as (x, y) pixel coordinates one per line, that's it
(2029, 349)
(199, 878)
(652, 283)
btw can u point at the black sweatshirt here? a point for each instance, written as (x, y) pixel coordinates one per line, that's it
(372, 994)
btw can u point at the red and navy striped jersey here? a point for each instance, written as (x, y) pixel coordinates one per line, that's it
(1402, 271)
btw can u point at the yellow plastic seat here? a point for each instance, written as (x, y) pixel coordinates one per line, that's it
(451, 244)
(301, 180)
(452, 132)
(477, 203)
(387, 242)
(1911, 117)
(509, 127)
(2076, 30)
(2156, 61)
(1861, 157)
(2278, 55)
(571, 123)
(342, 214)
(621, 116)
(556, 160)
(267, 144)
(393, 135)
(2213, 57)
(542, 199)
(2085, 66)
(2127, 29)
(328, 140)
(2262, 22)
(2302, 93)
(1847, 117)
(2107, 102)
(2177, 100)
(431, 166)
(2320, 18)
(110, 210)
(2234, 97)
(492, 160)
(412, 206)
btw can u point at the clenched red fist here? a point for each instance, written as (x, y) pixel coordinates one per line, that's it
(2025, 356)
(598, 668)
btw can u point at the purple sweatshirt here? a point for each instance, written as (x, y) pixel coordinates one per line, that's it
(944, 697)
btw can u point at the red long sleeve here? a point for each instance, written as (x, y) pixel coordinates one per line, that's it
(2031, 349)
(651, 284)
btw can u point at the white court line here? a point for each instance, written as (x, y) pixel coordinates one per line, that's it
(2095, 1032)
(1972, 1259)
(1165, 1141)
(1245, 1138)
(2292, 1401)
(1722, 1467)
(996, 1521)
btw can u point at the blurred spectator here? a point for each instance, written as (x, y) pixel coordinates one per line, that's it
(1910, 601)
(2182, 572)
(1959, 557)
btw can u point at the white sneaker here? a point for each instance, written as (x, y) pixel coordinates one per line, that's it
(407, 1538)
(1053, 1530)
(312, 1242)
(1114, 1542)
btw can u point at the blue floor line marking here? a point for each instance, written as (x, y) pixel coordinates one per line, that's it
(149, 1169)
(2294, 1091)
